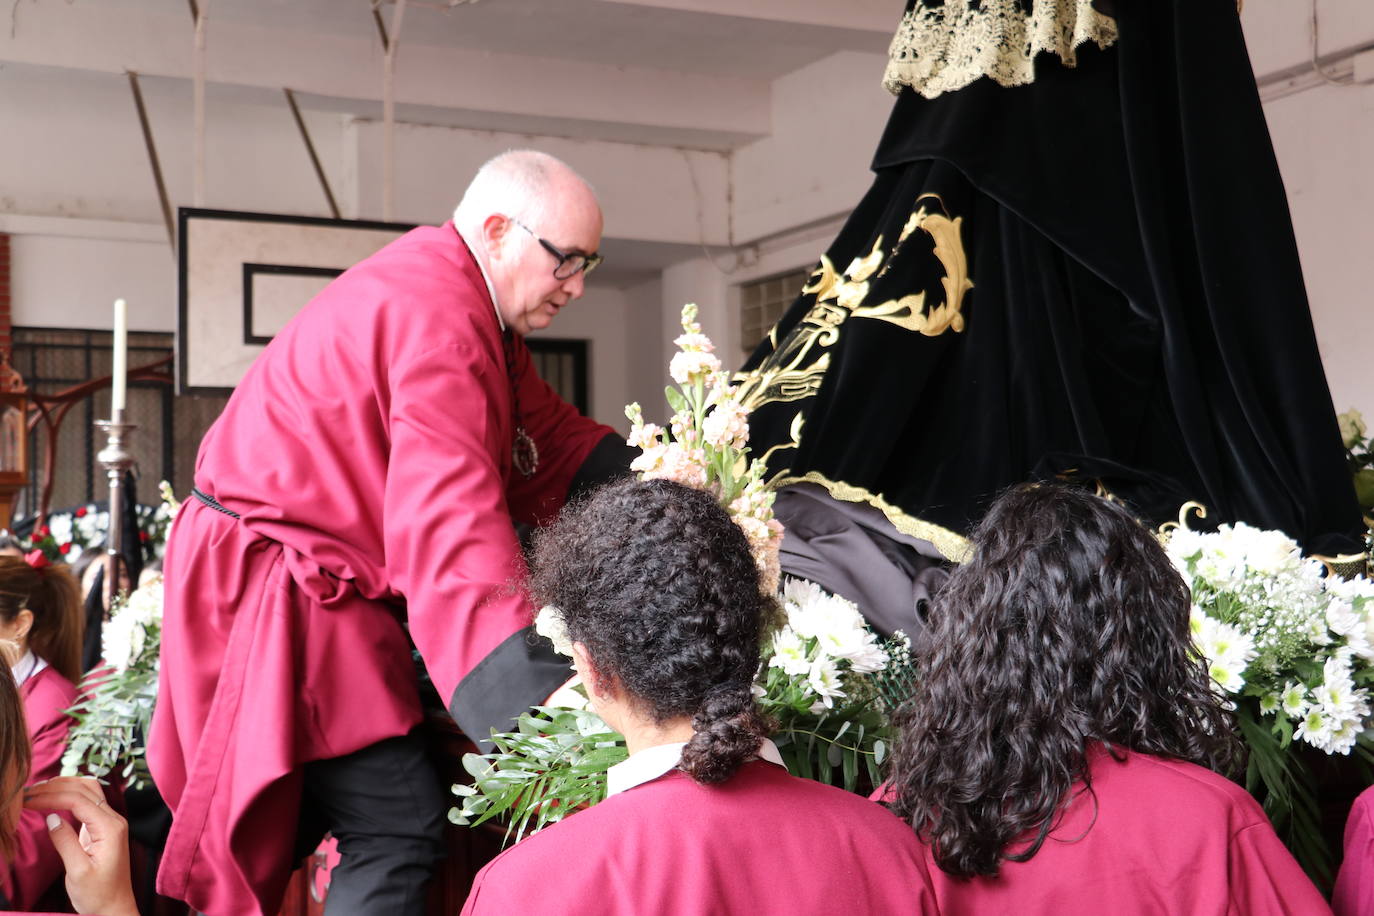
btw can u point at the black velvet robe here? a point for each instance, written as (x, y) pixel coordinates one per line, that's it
(1091, 276)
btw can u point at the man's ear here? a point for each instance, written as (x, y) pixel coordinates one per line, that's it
(494, 229)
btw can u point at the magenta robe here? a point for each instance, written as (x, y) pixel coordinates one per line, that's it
(763, 842)
(368, 451)
(36, 866)
(1354, 893)
(1164, 837)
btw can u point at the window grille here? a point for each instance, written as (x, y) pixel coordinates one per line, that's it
(763, 302)
(169, 427)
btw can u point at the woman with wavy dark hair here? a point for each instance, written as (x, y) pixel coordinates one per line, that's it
(96, 859)
(41, 614)
(1065, 750)
(660, 597)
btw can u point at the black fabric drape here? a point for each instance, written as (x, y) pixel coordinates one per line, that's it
(1137, 315)
(131, 555)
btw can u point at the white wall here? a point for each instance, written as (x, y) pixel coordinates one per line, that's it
(1324, 139)
(78, 195)
(827, 119)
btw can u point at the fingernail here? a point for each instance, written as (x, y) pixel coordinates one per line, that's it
(54, 821)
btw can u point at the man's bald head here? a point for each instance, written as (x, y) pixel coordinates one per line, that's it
(522, 183)
(524, 215)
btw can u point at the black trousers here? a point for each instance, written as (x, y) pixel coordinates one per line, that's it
(387, 808)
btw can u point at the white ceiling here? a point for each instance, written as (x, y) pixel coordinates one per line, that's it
(596, 31)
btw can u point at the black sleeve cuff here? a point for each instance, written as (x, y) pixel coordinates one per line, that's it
(609, 459)
(518, 674)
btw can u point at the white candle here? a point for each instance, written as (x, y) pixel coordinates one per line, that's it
(121, 357)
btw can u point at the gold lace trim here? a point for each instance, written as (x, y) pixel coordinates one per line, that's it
(942, 48)
(954, 547)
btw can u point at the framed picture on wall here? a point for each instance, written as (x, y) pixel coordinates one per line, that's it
(242, 276)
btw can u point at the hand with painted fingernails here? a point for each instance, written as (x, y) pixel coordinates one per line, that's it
(97, 857)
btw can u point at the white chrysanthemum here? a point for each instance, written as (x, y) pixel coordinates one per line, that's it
(1359, 594)
(1294, 700)
(1314, 729)
(800, 592)
(824, 681)
(548, 623)
(872, 659)
(825, 616)
(1227, 649)
(790, 653)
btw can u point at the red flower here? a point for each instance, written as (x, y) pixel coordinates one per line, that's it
(143, 537)
(65, 549)
(80, 512)
(42, 532)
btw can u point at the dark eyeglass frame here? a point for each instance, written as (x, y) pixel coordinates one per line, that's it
(589, 262)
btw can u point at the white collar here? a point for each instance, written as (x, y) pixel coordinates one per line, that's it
(27, 667)
(491, 290)
(653, 762)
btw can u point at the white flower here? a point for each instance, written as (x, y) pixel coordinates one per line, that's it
(824, 680)
(1352, 427)
(650, 460)
(694, 341)
(790, 653)
(1266, 552)
(1227, 649)
(1314, 729)
(136, 626)
(644, 435)
(727, 425)
(60, 527)
(690, 366)
(548, 623)
(676, 462)
(569, 697)
(872, 659)
(1294, 700)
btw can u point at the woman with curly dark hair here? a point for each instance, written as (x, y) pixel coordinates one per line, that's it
(1064, 751)
(660, 597)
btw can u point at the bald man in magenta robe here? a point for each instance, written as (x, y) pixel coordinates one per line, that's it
(362, 482)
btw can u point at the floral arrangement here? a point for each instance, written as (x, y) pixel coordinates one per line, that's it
(116, 699)
(1359, 450)
(67, 534)
(825, 679)
(828, 684)
(706, 444)
(1293, 649)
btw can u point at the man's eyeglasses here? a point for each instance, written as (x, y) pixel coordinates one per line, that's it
(568, 264)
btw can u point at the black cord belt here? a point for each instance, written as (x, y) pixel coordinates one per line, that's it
(213, 503)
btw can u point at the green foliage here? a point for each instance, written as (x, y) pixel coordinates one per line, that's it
(553, 765)
(115, 706)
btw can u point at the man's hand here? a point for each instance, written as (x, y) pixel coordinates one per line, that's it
(96, 859)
